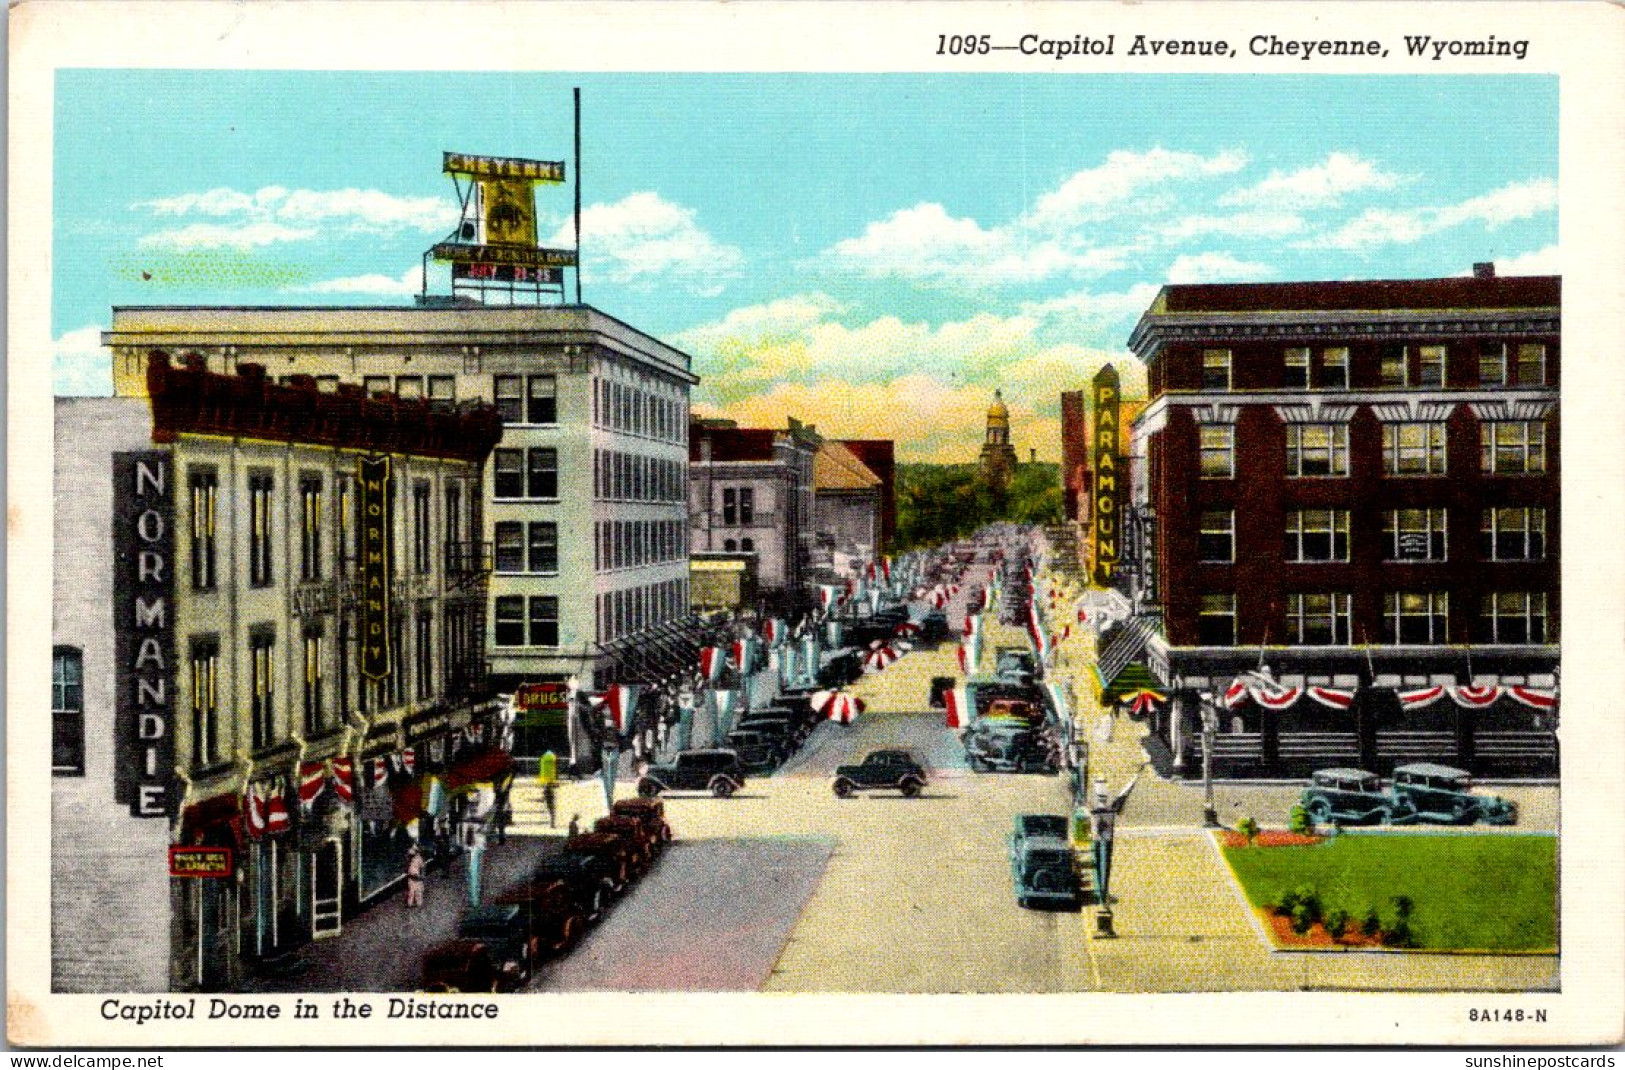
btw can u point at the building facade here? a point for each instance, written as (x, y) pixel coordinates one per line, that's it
(1355, 485)
(582, 506)
(847, 510)
(998, 456)
(283, 642)
(879, 455)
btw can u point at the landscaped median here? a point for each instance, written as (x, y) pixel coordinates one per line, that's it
(1439, 892)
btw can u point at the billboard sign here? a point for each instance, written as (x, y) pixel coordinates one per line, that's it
(1108, 496)
(144, 632)
(459, 253)
(373, 477)
(200, 862)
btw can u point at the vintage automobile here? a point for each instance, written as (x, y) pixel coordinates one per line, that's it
(1038, 827)
(1442, 795)
(934, 627)
(759, 751)
(787, 729)
(554, 919)
(1009, 746)
(841, 669)
(1016, 664)
(716, 771)
(1353, 797)
(879, 771)
(1045, 873)
(462, 966)
(619, 854)
(588, 877)
(495, 951)
(652, 813)
(1016, 709)
(630, 829)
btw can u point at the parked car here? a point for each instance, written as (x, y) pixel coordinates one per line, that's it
(461, 966)
(553, 918)
(841, 669)
(716, 771)
(881, 770)
(1045, 871)
(1009, 746)
(589, 878)
(934, 627)
(760, 751)
(1038, 827)
(652, 813)
(618, 853)
(634, 833)
(1442, 795)
(1353, 797)
(789, 727)
(494, 952)
(1016, 709)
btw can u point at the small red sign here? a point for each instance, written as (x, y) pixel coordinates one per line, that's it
(200, 861)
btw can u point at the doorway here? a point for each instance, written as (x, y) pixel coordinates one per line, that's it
(327, 890)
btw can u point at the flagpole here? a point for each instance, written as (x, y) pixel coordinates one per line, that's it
(576, 93)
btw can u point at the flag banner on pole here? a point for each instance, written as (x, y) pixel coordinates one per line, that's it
(1058, 702)
(963, 657)
(343, 775)
(606, 775)
(724, 702)
(957, 707)
(621, 702)
(774, 632)
(835, 632)
(711, 660)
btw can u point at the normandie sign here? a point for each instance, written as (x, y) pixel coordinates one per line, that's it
(144, 632)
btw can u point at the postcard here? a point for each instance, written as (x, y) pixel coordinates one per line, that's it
(826, 524)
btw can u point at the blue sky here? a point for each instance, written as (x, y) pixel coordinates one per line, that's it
(873, 254)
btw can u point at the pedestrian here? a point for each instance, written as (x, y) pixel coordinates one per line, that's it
(414, 876)
(575, 824)
(550, 799)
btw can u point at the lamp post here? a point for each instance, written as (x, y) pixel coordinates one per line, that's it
(1210, 729)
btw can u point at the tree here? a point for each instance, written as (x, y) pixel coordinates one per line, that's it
(1337, 923)
(1248, 827)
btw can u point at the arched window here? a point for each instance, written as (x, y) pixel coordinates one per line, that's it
(67, 712)
(730, 545)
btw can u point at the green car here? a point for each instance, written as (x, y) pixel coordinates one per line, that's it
(1045, 872)
(1444, 796)
(1353, 797)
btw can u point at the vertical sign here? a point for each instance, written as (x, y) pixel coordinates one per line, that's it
(144, 632)
(1107, 506)
(373, 476)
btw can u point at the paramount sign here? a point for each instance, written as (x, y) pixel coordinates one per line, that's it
(1108, 499)
(144, 632)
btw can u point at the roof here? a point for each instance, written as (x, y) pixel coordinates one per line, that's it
(1532, 291)
(734, 443)
(1432, 769)
(836, 467)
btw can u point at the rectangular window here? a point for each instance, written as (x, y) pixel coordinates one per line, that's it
(730, 506)
(1531, 370)
(67, 712)
(205, 488)
(1512, 617)
(1414, 534)
(1216, 620)
(408, 386)
(542, 399)
(422, 527)
(259, 530)
(1317, 450)
(510, 546)
(544, 621)
(1216, 540)
(314, 655)
(542, 472)
(423, 647)
(508, 393)
(443, 388)
(1319, 619)
(454, 527)
(1218, 451)
(1297, 369)
(1391, 365)
(343, 523)
(1334, 368)
(310, 528)
(1515, 534)
(1431, 362)
(261, 694)
(394, 690)
(205, 703)
(508, 473)
(747, 506)
(1215, 369)
(1413, 449)
(1413, 618)
(1492, 364)
(376, 384)
(510, 620)
(1317, 535)
(544, 546)
(1513, 447)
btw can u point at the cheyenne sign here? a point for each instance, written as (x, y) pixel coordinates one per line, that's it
(1108, 503)
(144, 632)
(373, 474)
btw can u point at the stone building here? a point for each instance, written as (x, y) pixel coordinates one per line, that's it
(998, 457)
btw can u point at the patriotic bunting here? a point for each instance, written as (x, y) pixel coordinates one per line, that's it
(312, 779)
(1534, 697)
(1417, 699)
(343, 774)
(956, 702)
(1143, 701)
(409, 760)
(1336, 698)
(277, 818)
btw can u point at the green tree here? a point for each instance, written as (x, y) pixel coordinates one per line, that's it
(1248, 827)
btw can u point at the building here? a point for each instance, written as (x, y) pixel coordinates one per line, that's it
(998, 457)
(582, 510)
(847, 510)
(879, 455)
(250, 688)
(1077, 472)
(750, 490)
(1356, 485)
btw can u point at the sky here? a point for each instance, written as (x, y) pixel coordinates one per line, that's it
(872, 254)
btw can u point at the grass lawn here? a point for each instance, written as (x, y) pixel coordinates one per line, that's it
(1472, 892)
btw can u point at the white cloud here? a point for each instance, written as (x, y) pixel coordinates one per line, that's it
(1124, 174)
(1520, 200)
(1239, 225)
(353, 210)
(1544, 261)
(1215, 267)
(1382, 226)
(218, 202)
(242, 236)
(80, 366)
(409, 282)
(1322, 184)
(645, 240)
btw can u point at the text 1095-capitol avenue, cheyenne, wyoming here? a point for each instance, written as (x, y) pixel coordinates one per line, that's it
(1265, 45)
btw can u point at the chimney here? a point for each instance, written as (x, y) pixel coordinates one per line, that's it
(1485, 270)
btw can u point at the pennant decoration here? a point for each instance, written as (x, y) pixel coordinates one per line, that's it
(963, 657)
(621, 705)
(957, 707)
(312, 779)
(343, 775)
(1143, 701)
(774, 631)
(711, 663)
(277, 818)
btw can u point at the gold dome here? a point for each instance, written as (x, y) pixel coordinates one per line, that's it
(997, 413)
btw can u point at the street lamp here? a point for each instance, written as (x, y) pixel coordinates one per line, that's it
(1210, 730)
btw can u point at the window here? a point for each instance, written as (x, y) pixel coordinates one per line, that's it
(454, 526)
(422, 528)
(205, 487)
(314, 654)
(542, 472)
(1391, 365)
(1512, 617)
(393, 690)
(310, 528)
(1334, 369)
(730, 545)
(510, 620)
(259, 530)
(67, 711)
(1216, 620)
(1411, 618)
(1531, 369)
(375, 384)
(1413, 449)
(343, 689)
(1215, 369)
(544, 546)
(1218, 451)
(508, 394)
(1297, 369)
(738, 506)
(423, 648)
(508, 473)
(544, 621)
(1432, 361)
(542, 400)
(1317, 535)
(1216, 539)
(443, 388)
(205, 703)
(1513, 447)
(1317, 450)
(1492, 364)
(260, 689)
(342, 525)
(510, 546)
(1414, 534)
(747, 545)
(1517, 534)
(1319, 619)
(409, 386)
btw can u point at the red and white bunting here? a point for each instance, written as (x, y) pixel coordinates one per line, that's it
(409, 761)
(821, 699)
(277, 818)
(312, 779)
(621, 702)
(880, 657)
(254, 812)
(343, 774)
(963, 657)
(711, 660)
(1470, 697)
(957, 707)
(380, 772)
(844, 709)
(1335, 697)
(1418, 698)
(906, 628)
(1538, 698)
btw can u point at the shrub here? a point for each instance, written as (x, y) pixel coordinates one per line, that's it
(1399, 935)
(1302, 920)
(1370, 924)
(1404, 907)
(1248, 828)
(1288, 903)
(1337, 923)
(1299, 821)
(1309, 899)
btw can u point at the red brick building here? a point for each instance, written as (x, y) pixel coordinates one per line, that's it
(1357, 484)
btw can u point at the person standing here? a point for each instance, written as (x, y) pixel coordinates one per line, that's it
(414, 877)
(575, 825)
(547, 773)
